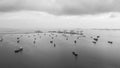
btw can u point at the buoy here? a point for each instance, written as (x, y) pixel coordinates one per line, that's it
(18, 41)
(98, 36)
(75, 41)
(52, 37)
(54, 45)
(94, 42)
(1, 39)
(18, 38)
(34, 38)
(51, 41)
(34, 42)
(66, 38)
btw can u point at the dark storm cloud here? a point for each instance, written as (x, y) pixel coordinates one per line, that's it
(62, 7)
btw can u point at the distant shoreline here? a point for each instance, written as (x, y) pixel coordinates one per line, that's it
(105, 29)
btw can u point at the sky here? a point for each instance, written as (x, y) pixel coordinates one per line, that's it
(59, 13)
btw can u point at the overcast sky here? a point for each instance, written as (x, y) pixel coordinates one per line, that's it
(60, 13)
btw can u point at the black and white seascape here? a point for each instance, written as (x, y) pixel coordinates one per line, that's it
(59, 34)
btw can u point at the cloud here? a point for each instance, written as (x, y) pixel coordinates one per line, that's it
(90, 6)
(62, 7)
(9, 5)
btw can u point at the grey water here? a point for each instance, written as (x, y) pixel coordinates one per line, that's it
(43, 54)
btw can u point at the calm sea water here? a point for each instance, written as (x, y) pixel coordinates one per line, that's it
(43, 54)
